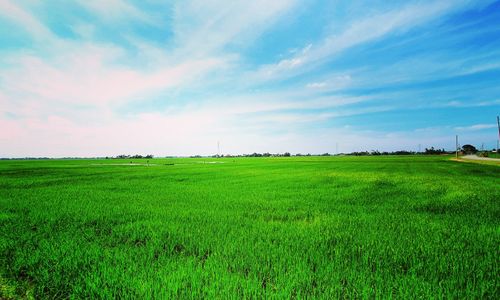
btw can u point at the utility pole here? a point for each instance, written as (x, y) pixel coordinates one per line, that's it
(456, 146)
(498, 124)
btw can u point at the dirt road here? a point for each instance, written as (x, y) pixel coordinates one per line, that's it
(475, 157)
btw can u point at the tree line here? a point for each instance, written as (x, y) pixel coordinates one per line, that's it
(124, 156)
(465, 149)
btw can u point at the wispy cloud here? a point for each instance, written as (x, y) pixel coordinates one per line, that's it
(116, 10)
(360, 31)
(87, 76)
(202, 27)
(27, 22)
(476, 127)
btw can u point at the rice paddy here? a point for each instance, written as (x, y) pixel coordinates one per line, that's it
(298, 227)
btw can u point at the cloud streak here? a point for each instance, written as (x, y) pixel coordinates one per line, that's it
(476, 127)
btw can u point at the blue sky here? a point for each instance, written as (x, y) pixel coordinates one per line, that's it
(97, 78)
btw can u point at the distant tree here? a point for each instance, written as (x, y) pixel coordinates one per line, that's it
(403, 152)
(286, 154)
(469, 149)
(431, 150)
(361, 153)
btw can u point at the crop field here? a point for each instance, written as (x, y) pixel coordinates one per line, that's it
(300, 227)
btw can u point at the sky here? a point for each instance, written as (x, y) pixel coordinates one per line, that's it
(107, 77)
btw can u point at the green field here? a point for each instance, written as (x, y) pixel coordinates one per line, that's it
(299, 227)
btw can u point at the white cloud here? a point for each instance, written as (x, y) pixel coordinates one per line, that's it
(193, 132)
(358, 32)
(331, 82)
(116, 10)
(316, 85)
(85, 30)
(27, 21)
(476, 127)
(203, 27)
(86, 77)
(65, 71)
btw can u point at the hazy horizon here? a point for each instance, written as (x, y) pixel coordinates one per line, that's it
(172, 78)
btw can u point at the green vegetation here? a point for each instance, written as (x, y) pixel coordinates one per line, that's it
(288, 227)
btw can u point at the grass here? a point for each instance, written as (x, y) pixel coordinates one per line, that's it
(322, 227)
